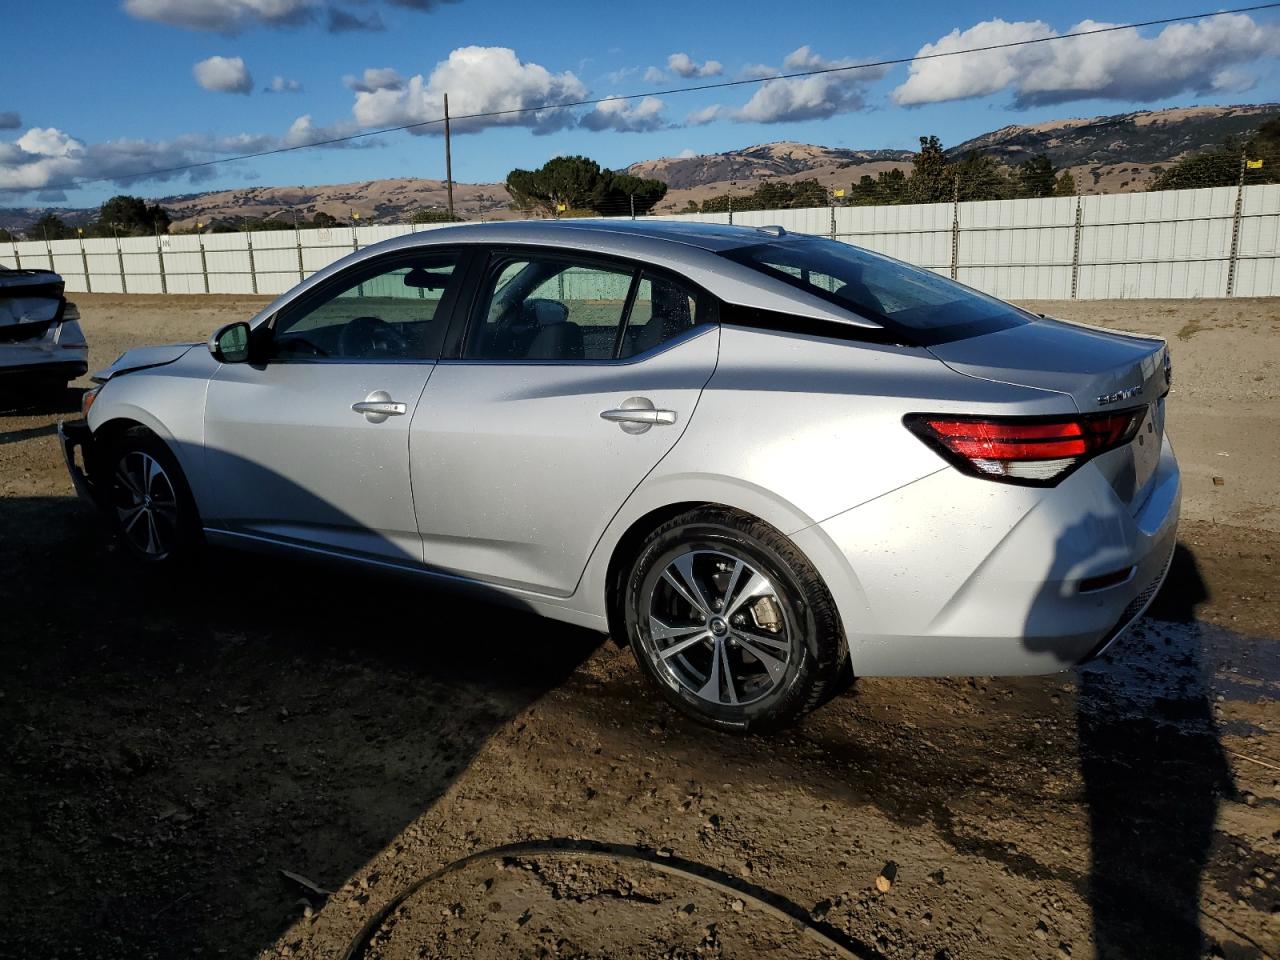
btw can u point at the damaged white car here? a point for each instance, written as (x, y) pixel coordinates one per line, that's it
(42, 347)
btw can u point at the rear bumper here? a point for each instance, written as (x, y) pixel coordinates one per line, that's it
(53, 369)
(956, 576)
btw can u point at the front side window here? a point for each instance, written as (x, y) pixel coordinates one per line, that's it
(387, 311)
(911, 301)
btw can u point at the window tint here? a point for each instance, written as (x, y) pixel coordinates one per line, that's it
(546, 308)
(909, 300)
(382, 312)
(663, 309)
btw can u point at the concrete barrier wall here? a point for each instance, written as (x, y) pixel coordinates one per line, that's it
(1213, 242)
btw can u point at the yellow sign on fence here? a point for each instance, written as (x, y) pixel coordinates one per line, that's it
(837, 193)
(1253, 164)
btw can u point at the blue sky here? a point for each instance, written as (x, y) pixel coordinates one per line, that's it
(108, 87)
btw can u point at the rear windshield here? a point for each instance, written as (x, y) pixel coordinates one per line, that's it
(914, 303)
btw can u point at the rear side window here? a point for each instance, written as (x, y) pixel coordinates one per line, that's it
(910, 301)
(544, 307)
(663, 309)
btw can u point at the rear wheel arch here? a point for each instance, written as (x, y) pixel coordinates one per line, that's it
(627, 548)
(624, 554)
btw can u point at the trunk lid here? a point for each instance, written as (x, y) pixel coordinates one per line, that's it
(30, 301)
(1100, 370)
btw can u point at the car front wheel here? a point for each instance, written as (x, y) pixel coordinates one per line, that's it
(731, 621)
(149, 502)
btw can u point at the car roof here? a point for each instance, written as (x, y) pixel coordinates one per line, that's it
(690, 249)
(706, 236)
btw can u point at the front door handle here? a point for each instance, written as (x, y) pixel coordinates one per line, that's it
(638, 414)
(378, 406)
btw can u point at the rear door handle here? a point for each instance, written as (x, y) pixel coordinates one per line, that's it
(378, 406)
(638, 414)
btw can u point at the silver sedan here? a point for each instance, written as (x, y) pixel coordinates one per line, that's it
(770, 461)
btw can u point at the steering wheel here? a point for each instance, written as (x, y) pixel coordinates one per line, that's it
(371, 337)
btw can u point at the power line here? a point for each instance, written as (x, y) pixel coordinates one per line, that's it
(565, 105)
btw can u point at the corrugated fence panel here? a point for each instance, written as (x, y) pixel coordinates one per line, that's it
(919, 233)
(1167, 244)
(1173, 243)
(1017, 249)
(1258, 263)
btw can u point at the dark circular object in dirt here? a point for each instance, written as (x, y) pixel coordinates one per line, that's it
(771, 903)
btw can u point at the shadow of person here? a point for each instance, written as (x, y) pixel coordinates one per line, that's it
(1153, 773)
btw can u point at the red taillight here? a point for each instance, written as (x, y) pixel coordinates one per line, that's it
(1036, 451)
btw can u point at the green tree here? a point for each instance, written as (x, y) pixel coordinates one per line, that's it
(50, 227)
(930, 180)
(620, 193)
(567, 184)
(977, 176)
(560, 182)
(434, 216)
(129, 216)
(1035, 177)
(1065, 185)
(888, 187)
(5, 236)
(322, 219)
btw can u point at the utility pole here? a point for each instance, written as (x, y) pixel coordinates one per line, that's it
(632, 198)
(448, 157)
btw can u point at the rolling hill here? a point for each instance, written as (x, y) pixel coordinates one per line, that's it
(1108, 154)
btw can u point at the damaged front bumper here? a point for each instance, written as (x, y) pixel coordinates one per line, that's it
(80, 452)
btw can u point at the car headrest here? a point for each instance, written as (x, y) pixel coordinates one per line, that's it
(539, 312)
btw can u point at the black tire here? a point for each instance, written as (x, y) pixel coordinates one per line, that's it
(169, 512)
(799, 605)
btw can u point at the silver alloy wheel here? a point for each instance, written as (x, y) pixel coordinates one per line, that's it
(717, 627)
(146, 504)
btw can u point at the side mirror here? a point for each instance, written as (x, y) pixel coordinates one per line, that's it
(230, 344)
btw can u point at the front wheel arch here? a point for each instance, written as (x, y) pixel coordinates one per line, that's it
(120, 434)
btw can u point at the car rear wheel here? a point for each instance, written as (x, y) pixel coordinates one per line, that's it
(731, 622)
(150, 504)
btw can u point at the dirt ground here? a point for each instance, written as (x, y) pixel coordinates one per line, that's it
(254, 758)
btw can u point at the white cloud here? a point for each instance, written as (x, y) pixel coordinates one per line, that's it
(375, 78)
(704, 116)
(281, 84)
(1202, 57)
(223, 75)
(758, 71)
(683, 65)
(489, 80)
(686, 153)
(235, 16)
(624, 117)
(654, 75)
(813, 97)
(622, 74)
(48, 158)
(302, 132)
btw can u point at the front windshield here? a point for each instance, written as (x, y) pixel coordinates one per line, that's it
(917, 303)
